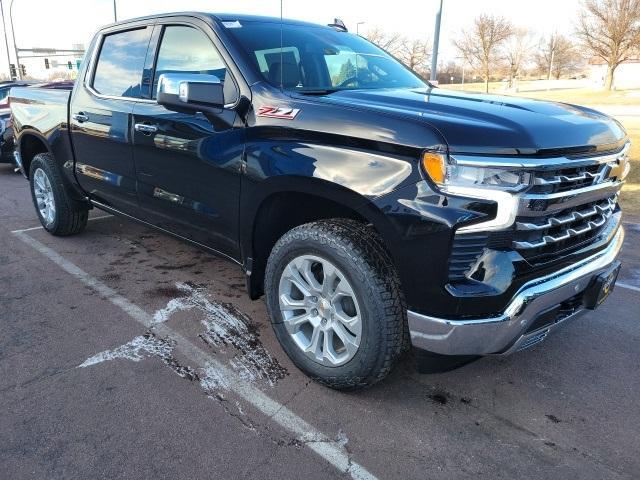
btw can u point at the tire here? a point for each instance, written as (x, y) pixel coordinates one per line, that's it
(68, 217)
(366, 302)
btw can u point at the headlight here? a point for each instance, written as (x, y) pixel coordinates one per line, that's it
(477, 181)
(446, 174)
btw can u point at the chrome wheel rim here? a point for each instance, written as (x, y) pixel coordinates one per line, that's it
(44, 196)
(320, 310)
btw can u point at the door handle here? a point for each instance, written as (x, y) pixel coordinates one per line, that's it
(80, 117)
(145, 128)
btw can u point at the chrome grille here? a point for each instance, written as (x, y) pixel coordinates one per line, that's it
(564, 179)
(559, 228)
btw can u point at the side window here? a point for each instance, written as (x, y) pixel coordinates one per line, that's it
(120, 64)
(188, 50)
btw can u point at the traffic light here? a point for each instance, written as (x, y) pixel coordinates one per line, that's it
(70, 65)
(12, 70)
(23, 70)
(46, 63)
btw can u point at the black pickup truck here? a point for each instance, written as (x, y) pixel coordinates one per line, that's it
(375, 211)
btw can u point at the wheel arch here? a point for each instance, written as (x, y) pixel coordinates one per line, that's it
(303, 201)
(30, 144)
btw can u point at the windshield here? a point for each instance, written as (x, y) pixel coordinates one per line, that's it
(318, 58)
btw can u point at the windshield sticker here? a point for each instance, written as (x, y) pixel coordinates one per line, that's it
(278, 112)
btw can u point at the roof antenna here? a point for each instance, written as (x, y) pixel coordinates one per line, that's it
(338, 25)
(281, 47)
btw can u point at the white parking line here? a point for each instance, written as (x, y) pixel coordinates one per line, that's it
(41, 227)
(627, 286)
(330, 450)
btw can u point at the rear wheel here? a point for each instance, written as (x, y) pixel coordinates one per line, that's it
(59, 214)
(335, 303)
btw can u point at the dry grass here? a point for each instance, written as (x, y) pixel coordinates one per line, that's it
(631, 191)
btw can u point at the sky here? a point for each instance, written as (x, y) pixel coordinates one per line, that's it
(62, 23)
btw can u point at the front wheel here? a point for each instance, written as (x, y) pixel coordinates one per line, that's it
(335, 303)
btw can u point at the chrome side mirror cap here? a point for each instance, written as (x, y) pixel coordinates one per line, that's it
(190, 92)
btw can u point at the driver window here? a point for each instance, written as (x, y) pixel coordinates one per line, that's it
(188, 50)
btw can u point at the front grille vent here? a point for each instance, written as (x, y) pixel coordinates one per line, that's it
(465, 251)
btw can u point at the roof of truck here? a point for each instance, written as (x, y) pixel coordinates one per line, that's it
(220, 17)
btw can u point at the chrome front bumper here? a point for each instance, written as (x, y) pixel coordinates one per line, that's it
(506, 333)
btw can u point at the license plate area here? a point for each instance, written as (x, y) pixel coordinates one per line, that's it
(601, 287)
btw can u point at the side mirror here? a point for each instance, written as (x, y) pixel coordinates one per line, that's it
(189, 92)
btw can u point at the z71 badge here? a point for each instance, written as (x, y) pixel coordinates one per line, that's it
(278, 112)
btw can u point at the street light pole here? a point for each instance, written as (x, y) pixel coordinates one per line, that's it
(15, 47)
(436, 41)
(115, 12)
(6, 40)
(358, 27)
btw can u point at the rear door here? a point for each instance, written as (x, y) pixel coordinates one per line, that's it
(101, 112)
(188, 163)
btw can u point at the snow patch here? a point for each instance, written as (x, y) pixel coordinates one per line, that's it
(141, 347)
(137, 349)
(227, 327)
(341, 439)
(212, 379)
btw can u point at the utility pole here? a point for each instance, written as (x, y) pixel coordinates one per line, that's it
(436, 41)
(115, 12)
(553, 52)
(6, 40)
(13, 34)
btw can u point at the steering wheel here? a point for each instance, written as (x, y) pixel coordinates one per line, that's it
(348, 81)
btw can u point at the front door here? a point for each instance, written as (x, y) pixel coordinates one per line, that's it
(188, 164)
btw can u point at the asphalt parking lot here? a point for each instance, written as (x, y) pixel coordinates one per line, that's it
(128, 354)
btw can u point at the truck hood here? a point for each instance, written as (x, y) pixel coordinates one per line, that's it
(478, 123)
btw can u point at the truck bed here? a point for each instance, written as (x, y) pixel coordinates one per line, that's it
(44, 107)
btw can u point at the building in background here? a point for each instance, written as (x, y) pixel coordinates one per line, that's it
(626, 76)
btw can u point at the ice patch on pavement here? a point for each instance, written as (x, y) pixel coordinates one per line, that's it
(226, 326)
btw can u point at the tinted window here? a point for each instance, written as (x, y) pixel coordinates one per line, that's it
(318, 58)
(120, 64)
(187, 50)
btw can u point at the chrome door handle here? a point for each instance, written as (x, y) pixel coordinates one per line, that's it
(80, 117)
(144, 128)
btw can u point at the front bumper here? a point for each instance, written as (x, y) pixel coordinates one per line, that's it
(509, 331)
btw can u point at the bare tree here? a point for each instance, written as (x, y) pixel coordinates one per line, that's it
(480, 44)
(391, 42)
(610, 29)
(557, 56)
(414, 54)
(517, 50)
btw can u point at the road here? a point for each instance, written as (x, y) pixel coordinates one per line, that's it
(128, 354)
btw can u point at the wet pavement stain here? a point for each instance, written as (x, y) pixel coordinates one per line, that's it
(553, 418)
(439, 397)
(164, 292)
(174, 267)
(110, 277)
